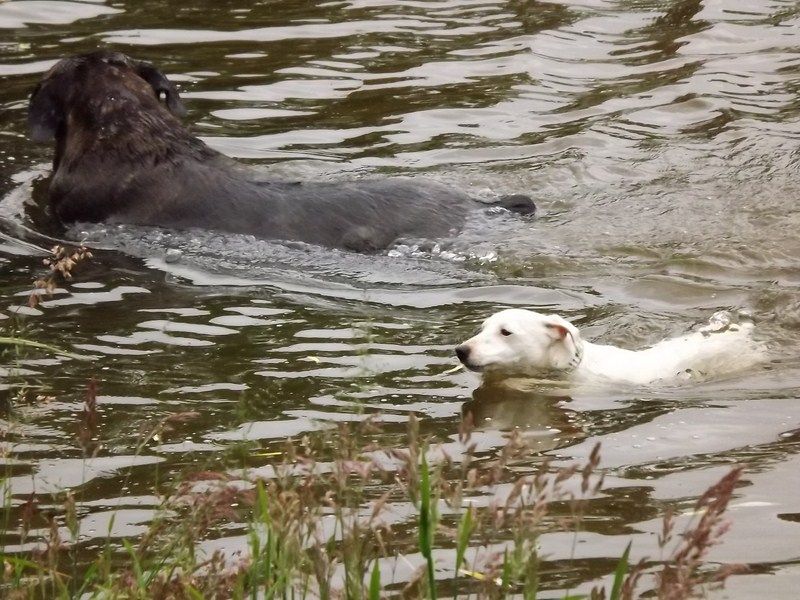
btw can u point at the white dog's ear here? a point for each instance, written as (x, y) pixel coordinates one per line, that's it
(558, 328)
(565, 338)
(556, 331)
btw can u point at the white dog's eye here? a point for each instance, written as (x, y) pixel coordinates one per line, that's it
(505, 332)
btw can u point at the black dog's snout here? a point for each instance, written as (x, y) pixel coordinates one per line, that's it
(462, 352)
(518, 203)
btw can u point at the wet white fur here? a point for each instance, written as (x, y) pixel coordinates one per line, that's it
(549, 345)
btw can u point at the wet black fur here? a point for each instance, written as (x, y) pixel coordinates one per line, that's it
(123, 156)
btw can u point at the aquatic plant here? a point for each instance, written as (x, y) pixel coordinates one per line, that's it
(60, 264)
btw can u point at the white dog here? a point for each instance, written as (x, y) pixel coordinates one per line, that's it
(517, 342)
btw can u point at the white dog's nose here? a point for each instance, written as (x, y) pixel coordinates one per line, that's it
(462, 352)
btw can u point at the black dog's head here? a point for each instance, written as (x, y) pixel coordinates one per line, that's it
(96, 85)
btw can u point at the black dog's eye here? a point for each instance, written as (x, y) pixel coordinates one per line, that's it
(505, 332)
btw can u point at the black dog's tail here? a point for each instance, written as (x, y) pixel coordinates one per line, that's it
(518, 203)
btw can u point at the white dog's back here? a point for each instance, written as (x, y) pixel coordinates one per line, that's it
(697, 355)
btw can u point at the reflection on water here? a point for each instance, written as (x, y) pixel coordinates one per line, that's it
(659, 140)
(544, 418)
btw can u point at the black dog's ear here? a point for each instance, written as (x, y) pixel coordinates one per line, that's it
(45, 114)
(162, 85)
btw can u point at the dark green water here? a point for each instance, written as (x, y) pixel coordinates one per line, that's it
(660, 140)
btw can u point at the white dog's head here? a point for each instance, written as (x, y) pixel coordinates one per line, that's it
(522, 342)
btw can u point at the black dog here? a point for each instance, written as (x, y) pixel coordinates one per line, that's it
(123, 156)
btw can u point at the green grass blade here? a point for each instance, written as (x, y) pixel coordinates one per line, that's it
(505, 578)
(427, 522)
(464, 533)
(530, 568)
(137, 567)
(375, 583)
(13, 341)
(88, 580)
(23, 563)
(194, 593)
(619, 574)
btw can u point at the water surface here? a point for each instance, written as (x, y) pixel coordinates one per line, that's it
(659, 139)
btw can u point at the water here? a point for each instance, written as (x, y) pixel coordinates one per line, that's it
(659, 140)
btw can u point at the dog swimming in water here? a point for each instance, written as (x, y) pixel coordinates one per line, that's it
(518, 342)
(123, 156)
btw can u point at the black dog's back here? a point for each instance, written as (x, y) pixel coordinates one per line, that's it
(123, 156)
(364, 215)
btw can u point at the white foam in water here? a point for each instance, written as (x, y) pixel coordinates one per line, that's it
(233, 259)
(419, 251)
